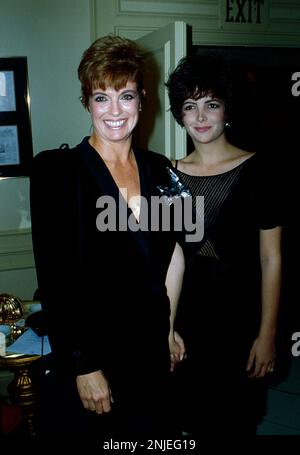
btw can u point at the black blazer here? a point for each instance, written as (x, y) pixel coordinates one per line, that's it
(103, 292)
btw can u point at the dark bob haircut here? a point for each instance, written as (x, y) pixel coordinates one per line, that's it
(196, 76)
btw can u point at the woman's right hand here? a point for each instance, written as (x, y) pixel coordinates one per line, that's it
(177, 349)
(94, 392)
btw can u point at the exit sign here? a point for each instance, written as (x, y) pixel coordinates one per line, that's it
(244, 12)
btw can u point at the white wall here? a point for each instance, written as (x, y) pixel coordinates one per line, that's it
(52, 34)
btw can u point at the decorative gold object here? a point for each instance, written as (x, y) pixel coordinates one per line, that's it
(22, 390)
(11, 310)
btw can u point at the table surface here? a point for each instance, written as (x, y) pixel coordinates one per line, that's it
(17, 360)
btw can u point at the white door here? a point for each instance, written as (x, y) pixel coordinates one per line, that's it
(157, 128)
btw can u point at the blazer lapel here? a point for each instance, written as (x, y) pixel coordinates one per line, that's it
(107, 185)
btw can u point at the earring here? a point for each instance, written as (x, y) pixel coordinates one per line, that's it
(228, 124)
(140, 107)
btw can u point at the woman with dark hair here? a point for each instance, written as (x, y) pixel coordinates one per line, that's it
(101, 271)
(227, 314)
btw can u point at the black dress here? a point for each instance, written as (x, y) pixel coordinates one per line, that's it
(103, 293)
(219, 310)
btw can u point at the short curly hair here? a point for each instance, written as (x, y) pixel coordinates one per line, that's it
(110, 61)
(198, 75)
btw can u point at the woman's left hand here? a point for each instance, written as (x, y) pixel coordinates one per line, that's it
(262, 357)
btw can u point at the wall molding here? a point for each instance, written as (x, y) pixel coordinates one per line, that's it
(16, 250)
(279, 23)
(93, 16)
(245, 38)
(187, 8)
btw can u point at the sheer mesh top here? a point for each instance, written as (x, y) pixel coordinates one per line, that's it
(215, 189)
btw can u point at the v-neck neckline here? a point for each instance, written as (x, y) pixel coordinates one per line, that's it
(107, 178)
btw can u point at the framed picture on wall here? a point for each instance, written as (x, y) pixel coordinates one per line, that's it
(15, 127)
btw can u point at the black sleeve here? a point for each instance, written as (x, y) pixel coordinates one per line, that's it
(54, 217)
(270, 194)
